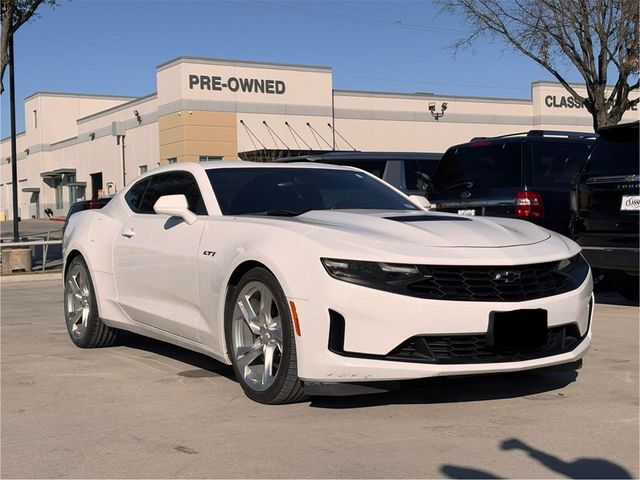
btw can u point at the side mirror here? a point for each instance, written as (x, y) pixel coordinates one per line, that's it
(420, 201)
(175, 206)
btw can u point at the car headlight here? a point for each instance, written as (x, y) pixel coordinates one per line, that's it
(574, 269)
(380, 275)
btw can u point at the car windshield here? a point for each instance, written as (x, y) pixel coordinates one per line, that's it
(293, 191)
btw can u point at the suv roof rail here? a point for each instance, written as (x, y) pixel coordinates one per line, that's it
(542, 133)
(560, 133)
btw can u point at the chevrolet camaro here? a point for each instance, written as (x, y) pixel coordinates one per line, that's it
(312, 278)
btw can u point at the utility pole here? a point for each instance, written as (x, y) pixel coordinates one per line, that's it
(14, 153)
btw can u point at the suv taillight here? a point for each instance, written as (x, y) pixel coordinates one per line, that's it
(529, 205)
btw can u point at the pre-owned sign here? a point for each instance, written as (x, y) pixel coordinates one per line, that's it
(237, 84)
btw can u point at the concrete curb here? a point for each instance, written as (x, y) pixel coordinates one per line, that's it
(30, 277)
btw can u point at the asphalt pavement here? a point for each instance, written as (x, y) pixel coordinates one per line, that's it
(145, 409)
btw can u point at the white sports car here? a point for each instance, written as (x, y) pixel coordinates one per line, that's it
(309, 278)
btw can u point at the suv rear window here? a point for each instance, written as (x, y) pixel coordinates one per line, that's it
(615, 153)
(484, 164)
(555, 164)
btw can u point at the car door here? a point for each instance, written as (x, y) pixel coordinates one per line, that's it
(155, 257)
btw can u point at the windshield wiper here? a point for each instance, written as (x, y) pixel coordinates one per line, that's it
(465, 184)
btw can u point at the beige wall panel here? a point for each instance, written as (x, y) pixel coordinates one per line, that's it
(145, 108)
(171, 135)
(225, 149)
(218, 134)
(171, 150)
(194, 133)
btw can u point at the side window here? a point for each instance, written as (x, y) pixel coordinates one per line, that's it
(173, 183)
(134, 196)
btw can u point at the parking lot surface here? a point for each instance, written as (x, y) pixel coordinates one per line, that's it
(147, 409)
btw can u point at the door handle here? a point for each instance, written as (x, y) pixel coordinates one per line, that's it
(128, 234)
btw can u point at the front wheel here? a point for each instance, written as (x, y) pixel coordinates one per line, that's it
(260, 340)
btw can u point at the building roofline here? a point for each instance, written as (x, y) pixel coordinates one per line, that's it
(243, 63)
(122, 106)
(75, 94)
(365, 93)
(19, 134)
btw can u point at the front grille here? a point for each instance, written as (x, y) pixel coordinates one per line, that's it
(449, 349)
(513, 283)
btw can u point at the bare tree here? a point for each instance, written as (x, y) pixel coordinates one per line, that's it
(599, 37)
(15, 13)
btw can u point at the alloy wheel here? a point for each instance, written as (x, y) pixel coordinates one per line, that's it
(78, 296)
(256, 340)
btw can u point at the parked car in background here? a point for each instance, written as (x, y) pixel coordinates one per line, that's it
(523, 175)
(407, 171)
(605, 205)
(84, 205)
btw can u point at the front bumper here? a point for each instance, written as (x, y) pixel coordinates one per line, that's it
(376, 322)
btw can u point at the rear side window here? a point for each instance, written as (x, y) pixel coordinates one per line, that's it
(415, 172)
(615, 153)
(555, 164)
(172, 183)
(483, 164)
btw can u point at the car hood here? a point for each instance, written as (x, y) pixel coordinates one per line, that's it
(424, 228)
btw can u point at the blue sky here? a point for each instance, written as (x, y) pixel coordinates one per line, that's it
(113, 47)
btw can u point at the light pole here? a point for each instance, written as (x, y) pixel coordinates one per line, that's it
(14, 154)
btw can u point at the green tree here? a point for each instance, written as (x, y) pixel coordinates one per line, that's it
(598, 37)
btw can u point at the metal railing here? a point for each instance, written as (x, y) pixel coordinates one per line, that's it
(44, 243)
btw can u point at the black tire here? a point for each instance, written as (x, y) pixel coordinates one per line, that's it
(626, 284)
(92, 333)
(286, 386)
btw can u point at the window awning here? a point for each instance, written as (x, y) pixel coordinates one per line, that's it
(76, 184)
(31, 189)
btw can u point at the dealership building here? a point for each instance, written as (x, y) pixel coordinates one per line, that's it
(82, 146)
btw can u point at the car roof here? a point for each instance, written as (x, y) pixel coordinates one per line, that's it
(239, 164)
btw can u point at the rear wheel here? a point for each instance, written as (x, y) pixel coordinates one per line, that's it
(84, 326)
(260, 340)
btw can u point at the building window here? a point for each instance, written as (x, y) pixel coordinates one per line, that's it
(210, 158)
(35, 119)
(173, 160)
(142, 169)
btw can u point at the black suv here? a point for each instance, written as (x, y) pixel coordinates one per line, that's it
(407, 171)
(523, 175)
(605, 205)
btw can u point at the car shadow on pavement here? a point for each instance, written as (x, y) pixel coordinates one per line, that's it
(204, 366)
(457, 389)
(579, 468)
